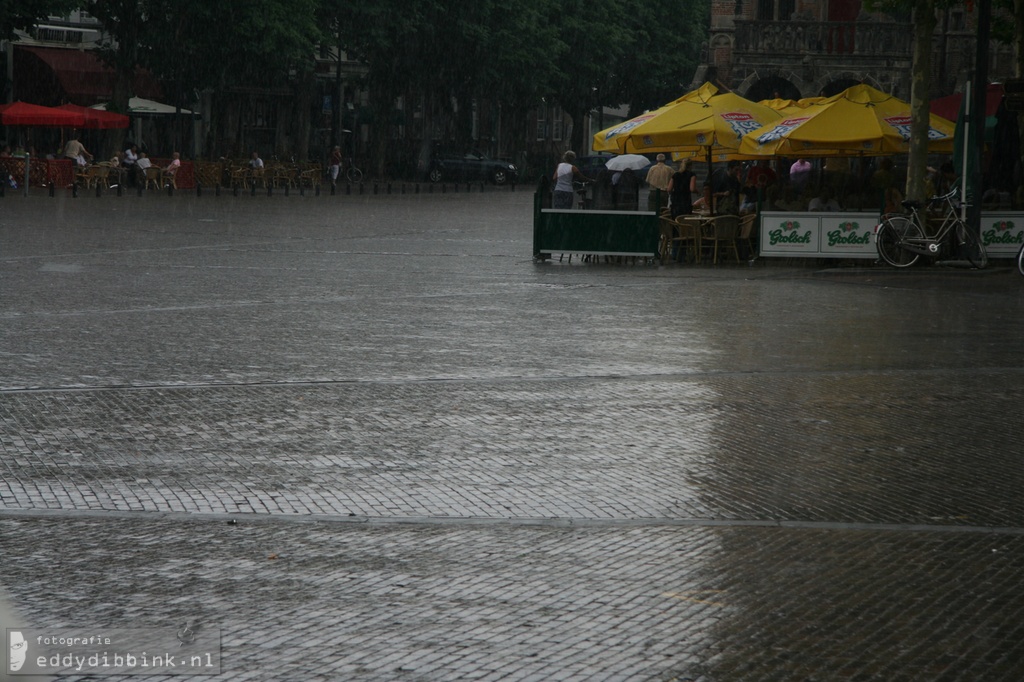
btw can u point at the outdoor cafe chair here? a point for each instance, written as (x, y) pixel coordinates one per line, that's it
(310, 175)
(239, 177)
(668, 233)
(746, 234)
(94, 175)
(154, 175)
(284, 176)
(688, 235)
(720, 231)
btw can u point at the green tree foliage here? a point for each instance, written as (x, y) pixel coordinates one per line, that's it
(445, 58)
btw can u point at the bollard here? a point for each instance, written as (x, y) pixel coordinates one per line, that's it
(74, 190)
(235, 188)
(216, 190)
(389, 188)
(252, 190)
(287, 186)
(54, 187)
(98, 192)
(361, 188)
(199, 189)
(403, 188)
(444, 188)
(141, 188)
(270, 189)
(417, 188)
(118, 189)
(348, 188)
(375, 187)
(334, 188)
(481, 187)
(302, 190)
(3, 190)
(318, 189)
(170, 190)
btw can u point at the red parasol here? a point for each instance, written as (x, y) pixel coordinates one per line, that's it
(98, 118)
(22, 114)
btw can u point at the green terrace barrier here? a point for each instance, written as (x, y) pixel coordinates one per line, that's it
(598, 233)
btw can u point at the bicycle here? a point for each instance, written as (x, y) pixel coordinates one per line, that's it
(353, 173)
(1020, 260)
(901, 239)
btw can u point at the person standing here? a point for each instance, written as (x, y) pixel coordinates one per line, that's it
(76, 151)
(335, 164)
(563, 177)
(131, 157)
(681, 187)
(658, 178)
(800, 173)
(725, 186)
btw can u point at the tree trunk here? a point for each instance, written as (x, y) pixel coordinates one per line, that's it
(920, 97)
(578, 116)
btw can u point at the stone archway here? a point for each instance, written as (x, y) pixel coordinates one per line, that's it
(757, 88)
(833, 83)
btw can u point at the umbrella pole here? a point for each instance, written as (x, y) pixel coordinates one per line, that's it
(710, 196)
(967, 137)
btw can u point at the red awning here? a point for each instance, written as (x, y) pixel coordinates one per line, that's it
(949, 107)
(22, 114)
(98, 118)
(57, 74)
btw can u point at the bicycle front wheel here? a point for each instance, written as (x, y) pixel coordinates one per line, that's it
(889, 239)
(354, 174)
(970, 244)
(1020, 260)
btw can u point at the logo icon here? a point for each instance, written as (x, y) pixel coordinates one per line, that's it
(19, 650)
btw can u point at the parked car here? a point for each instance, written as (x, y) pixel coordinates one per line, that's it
(469, 167)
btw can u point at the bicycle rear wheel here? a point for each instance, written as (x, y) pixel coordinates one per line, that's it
(354, 174)
(970, 244)
(889, 238)
(1020, 260)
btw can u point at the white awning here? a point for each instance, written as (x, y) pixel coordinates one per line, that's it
(147, 107)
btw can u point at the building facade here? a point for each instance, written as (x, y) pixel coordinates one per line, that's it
(804, 48)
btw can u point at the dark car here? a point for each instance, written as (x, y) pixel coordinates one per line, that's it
(470, 167)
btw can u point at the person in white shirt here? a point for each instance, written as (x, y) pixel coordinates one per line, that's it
(131, 155)
(256, 163)
(141, 164)
(564, 176)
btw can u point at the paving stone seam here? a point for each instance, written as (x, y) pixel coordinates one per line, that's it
(517, 378)
(552, 522)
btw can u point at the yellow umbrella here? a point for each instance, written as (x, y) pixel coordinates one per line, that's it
(858, 121)
(790, 107)
(702, 120)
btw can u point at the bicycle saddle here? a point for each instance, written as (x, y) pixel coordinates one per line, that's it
(911, 204)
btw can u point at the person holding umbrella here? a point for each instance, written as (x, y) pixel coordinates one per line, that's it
(563, 177)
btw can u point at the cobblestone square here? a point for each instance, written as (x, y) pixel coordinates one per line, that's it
(369, 438)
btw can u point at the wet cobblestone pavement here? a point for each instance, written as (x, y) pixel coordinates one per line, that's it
(370, 439)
